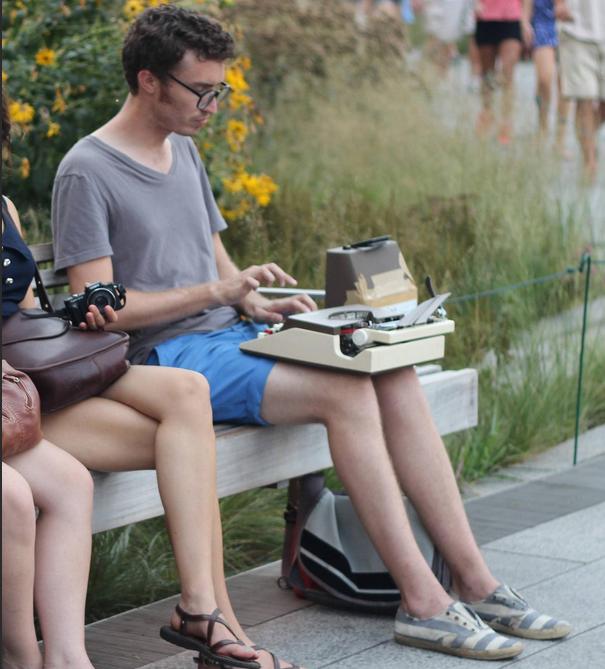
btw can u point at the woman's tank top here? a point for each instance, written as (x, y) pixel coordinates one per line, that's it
(500, 10)
(17, 265)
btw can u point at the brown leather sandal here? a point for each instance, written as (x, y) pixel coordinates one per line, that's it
(273, 656)
(203, 645)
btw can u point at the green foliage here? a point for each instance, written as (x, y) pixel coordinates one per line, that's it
(64, 79)
(296, 44)
(528, 405)
(61, 57)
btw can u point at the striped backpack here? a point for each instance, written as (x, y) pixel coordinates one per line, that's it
(328, 557)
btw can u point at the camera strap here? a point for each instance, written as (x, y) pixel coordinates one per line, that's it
(45, 303)
(42, 294)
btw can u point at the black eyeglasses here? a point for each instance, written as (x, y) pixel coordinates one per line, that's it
(204, 100)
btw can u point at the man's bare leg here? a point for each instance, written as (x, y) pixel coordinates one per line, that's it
(425, 474)
(586, 130)
(347, 405)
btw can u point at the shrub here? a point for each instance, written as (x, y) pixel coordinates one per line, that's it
(63, 72)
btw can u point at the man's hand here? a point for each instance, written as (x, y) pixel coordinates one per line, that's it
(235, 289)
(95, 320)
(263, 310)
(562, 12)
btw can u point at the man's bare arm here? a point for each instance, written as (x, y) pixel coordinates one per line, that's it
(144, 309)
(147, 308)
(527, 30)
(562, 12)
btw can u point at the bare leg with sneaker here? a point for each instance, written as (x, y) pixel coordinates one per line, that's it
(383, 439)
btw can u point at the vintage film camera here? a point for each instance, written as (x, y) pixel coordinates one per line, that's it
(100, 295)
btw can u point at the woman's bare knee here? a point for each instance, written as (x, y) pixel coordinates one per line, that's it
(72, 487)
(18, 510)
(187, 391)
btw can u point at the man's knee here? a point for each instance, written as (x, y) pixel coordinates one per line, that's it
(344, 394)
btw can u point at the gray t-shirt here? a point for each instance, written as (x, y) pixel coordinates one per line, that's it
(156, 227)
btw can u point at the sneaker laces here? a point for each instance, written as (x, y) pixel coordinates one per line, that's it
(472, 618)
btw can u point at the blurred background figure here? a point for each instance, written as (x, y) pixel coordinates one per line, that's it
(498, 37)
(582, 54)
(446, 22)
(393, 8)
(539, 31)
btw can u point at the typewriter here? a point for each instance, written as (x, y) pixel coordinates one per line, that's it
(384, 330)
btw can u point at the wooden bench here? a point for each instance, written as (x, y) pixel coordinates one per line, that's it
(249, 457)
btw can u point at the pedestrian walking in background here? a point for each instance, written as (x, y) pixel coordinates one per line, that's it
(538, 27)
(582, 55)
(446, 22)
(498, 38)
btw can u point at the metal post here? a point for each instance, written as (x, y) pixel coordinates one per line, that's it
(585, 266)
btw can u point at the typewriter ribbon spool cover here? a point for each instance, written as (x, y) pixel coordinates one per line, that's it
(376, 275)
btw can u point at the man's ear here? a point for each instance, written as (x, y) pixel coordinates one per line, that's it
(148, 82)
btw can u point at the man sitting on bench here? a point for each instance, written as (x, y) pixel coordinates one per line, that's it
(132, 203)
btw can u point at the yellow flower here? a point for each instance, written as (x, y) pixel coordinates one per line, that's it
(240, 210)
(235, 78)
(4, 76)
(155, 3)
(237, 132)
(21, 113)
(260, 187)
(53, 129)
(132, 8)
(237, 99)
(46, 57)
(24, 168)
(235, 183)
(59, 104)
(244, 62)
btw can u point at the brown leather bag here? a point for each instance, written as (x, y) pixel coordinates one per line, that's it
(20, 412)
(67, 365)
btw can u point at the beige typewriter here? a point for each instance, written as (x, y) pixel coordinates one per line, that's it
(373, 322)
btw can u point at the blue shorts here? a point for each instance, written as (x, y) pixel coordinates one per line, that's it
(545, 34)
(237, 379)
(544, 25)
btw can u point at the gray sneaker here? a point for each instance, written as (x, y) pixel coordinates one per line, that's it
(458, 631)
(506, 611)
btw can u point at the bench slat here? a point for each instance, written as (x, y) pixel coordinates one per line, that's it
(42, 252)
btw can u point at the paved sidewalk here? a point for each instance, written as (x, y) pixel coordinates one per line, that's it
(557, 560)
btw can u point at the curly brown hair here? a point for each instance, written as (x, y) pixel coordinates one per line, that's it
(160, 36)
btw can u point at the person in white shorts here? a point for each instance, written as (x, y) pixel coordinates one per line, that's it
(447, 21)
(582, 56)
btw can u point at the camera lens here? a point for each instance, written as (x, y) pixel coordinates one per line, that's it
(101, 298)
